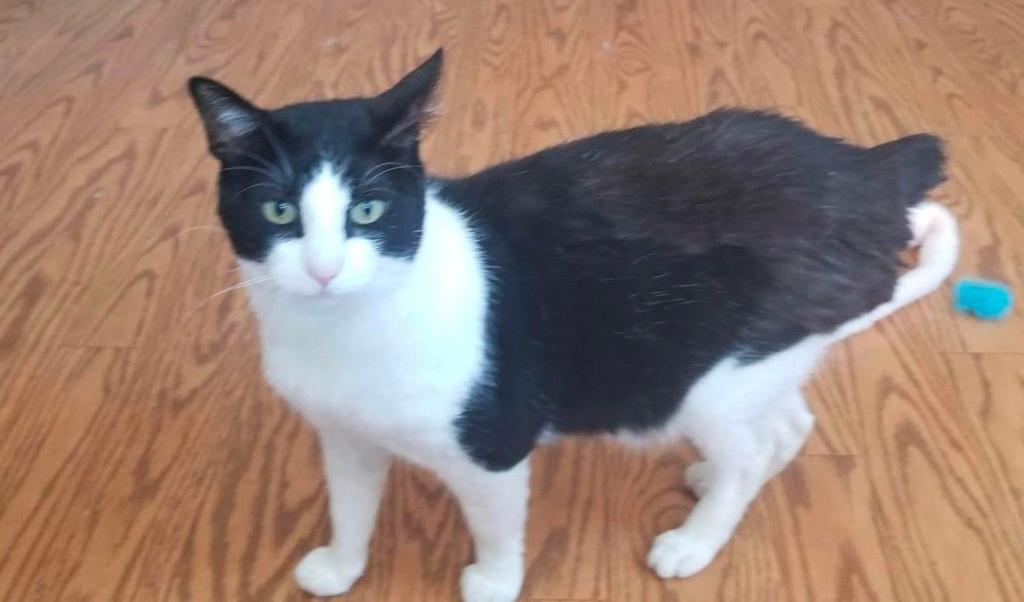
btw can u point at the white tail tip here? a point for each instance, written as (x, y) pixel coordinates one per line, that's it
(935, 232)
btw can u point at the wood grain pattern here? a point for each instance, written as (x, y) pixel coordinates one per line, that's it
(143, 458)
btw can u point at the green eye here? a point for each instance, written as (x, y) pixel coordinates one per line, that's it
(367, 212)
(281, 213)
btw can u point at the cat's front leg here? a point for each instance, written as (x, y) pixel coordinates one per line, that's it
(494, 504)
(355, 471)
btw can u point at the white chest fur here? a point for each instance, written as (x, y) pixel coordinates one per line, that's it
(396, 361)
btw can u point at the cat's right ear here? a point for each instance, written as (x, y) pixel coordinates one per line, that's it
(229, 119)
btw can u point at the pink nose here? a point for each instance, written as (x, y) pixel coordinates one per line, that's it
(321, 274)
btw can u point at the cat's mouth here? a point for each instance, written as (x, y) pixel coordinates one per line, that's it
(322, 296)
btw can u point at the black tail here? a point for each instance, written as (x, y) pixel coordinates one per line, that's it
(919, 162)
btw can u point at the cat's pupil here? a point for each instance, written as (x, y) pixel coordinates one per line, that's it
(281, 208)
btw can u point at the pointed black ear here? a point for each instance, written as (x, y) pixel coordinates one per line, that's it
(404, 108)
(229, 119)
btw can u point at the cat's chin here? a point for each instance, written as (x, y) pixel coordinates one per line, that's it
(267, 290)
(324, 297)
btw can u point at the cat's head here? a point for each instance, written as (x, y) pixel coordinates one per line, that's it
(324, 198)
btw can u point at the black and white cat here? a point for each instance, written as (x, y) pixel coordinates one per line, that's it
(656, 283)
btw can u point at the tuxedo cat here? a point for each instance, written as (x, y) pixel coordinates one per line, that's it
(656, 283)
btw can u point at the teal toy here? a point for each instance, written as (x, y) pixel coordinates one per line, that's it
(984, 299)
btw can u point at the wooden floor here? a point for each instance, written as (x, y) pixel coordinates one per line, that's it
(143, 458)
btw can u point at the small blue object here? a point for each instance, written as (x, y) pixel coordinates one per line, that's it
(982, 298)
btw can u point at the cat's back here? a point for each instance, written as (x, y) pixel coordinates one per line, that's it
(720, 175)
(732, 179)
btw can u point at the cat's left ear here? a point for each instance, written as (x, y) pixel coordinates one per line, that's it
(403, 110)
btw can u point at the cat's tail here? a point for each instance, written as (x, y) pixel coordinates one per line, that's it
(918, 161)
(934, 233)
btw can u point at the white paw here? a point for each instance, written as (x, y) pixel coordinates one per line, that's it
(678, 554)
(490, 585)
(698, 477)
(321, 573)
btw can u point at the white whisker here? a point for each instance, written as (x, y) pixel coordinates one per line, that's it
(256, 185)
(390, 169)
(240, 285)
(194, 228)
(161, 240)
(369, 172)
(233, 287)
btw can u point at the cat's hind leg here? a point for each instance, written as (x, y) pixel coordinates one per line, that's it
(787, 429)
(727, 480)
(746, 436)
